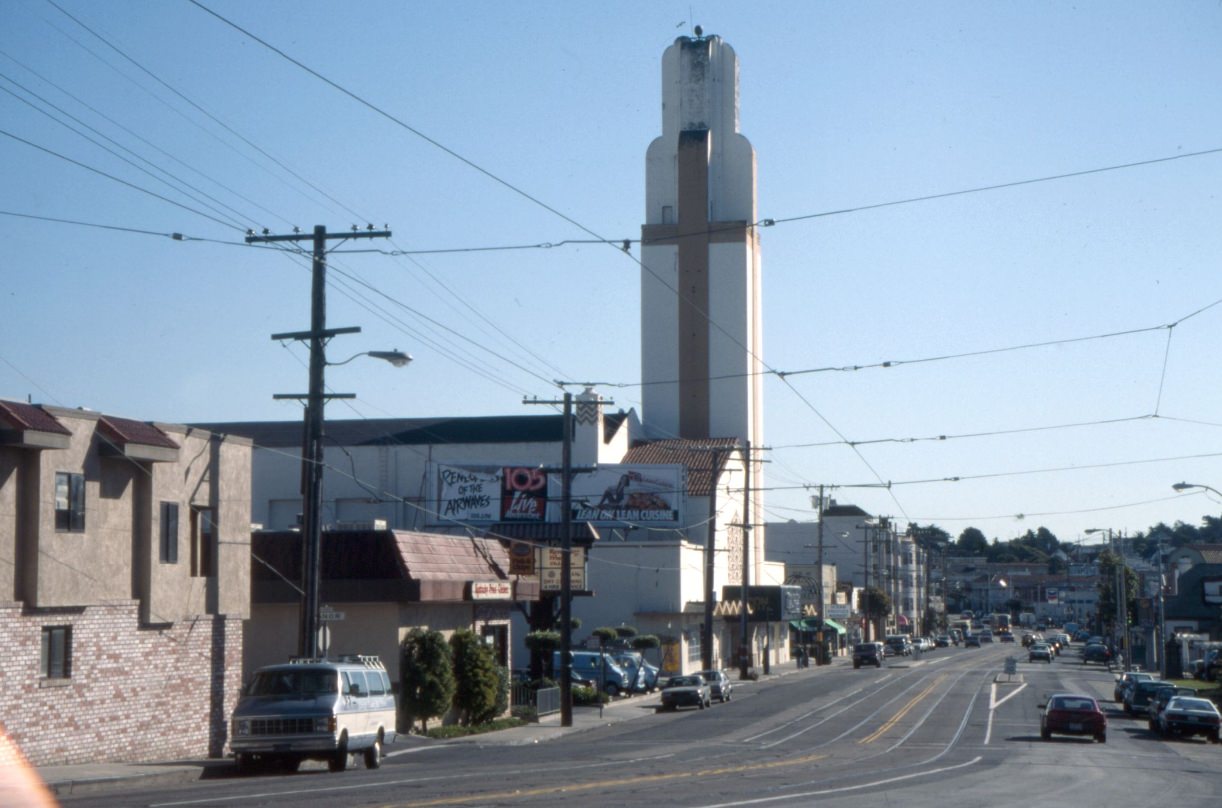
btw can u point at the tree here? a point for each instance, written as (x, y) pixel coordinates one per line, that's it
(972, 543)
(476, 679)
(426, 677)
(874, 603)
(541, 645)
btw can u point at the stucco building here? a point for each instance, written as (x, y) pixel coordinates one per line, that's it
(124, 581)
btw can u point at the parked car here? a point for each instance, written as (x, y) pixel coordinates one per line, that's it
(899, 644)
(720, 686)
(1039, 651)
(1159, 701)
(1137, 696)
(1211, 665)
(1073, 714)
(685, 691)
(314, 709)
(868, 653)
(1124, 680)
(1096, 652)
(642, 675)
(1188, 715)
(1082, 635)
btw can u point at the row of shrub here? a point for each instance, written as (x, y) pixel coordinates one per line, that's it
(440, 677)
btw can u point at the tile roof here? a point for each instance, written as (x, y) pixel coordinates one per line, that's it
(384, 555)
(31, 417)
(696, 454)
(124, 431)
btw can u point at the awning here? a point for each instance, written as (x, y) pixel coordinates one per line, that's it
(816, 624)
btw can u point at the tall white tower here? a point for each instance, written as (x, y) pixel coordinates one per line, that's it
(700, 285)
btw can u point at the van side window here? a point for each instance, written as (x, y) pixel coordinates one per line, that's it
(376, 688)
(357, 686)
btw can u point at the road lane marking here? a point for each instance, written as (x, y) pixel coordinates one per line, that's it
(893, 720)
(844, 789)
(643, 779)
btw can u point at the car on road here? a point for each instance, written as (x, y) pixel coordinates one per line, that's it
(1137, 696)
(868, 653)
(1096, 652)
(899, 644)
(1028, 639)
(971, 641)
(1125, 680)
(720, 686)
(1188, 715)
(686, 691)
(985, 635)
(1159, 701)
(942, 641)
(1073, 714)
(1039, 651)
(1005, 636)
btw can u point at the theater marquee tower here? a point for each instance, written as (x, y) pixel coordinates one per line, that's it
(700, 286)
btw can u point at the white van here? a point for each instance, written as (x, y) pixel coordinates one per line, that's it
(314, 709)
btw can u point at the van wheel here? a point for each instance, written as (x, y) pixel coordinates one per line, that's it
(373, 755)
(612, 689)
(339, 760)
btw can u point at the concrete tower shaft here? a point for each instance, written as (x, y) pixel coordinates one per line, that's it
(700, 288)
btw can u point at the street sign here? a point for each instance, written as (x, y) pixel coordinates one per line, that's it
(328, 615)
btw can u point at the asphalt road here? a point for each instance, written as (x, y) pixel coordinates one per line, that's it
(950, 729)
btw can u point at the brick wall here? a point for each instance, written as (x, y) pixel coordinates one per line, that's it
(135, 693)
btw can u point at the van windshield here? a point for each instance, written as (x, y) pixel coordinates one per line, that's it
(292, 683)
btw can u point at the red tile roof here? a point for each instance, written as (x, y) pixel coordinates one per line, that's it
(697, 454)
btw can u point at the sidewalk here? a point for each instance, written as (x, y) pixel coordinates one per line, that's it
(94, 777)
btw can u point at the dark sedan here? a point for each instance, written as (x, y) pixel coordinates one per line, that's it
(1096, 652)
(685, 691)
(1185, 715)
(1073, 714)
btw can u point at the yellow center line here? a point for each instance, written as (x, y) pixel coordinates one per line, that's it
(618, 782)
(893, 720)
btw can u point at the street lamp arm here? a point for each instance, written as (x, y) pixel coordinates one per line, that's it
(396, 358)
(1186, 486)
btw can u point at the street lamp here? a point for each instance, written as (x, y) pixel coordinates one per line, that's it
(1186, 486)
(1001, 582)
(312, 463)
(396, 358)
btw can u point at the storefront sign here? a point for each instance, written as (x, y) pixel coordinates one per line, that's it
(491, 590)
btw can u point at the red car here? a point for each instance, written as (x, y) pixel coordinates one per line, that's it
(1073, 714)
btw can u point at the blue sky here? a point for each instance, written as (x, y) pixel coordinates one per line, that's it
(526, 124)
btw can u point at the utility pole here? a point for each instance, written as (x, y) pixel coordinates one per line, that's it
(866, 600)
(566, 555)
(710, 548)
(819, 559)
(744, 653)
(312, 443)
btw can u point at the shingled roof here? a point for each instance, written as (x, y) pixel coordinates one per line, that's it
(31, 426)
(381, 565)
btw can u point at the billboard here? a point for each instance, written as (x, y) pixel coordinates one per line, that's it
(637, 495)
(649, 496)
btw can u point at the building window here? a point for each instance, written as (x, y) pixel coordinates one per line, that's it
(203, 556)
(57, 652)
(69, 501)
(169, 532)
